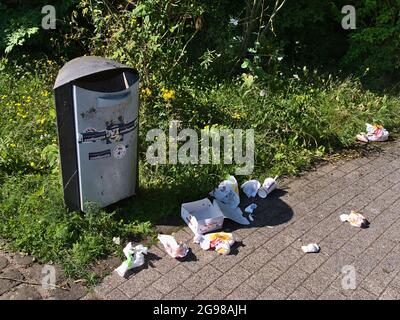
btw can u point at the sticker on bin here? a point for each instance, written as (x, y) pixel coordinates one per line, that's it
(202, 216)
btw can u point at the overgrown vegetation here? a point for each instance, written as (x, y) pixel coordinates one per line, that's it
(283, 68)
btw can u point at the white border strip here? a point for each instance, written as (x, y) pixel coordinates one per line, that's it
(77, 146)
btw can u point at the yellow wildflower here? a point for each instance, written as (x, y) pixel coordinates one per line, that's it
(168, 94)
(12, 145)
(236, 115)
(146, 91)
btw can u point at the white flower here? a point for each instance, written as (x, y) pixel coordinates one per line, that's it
(296, 77)
(234, 21)
(263, 93)
(117, 240)
(280, 58)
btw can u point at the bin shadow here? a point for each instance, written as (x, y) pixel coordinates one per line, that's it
(146, 206)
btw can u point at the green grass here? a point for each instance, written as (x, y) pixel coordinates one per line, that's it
(296, 123)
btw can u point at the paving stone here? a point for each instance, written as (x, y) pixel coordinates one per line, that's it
(232, 279)
(362, 294)
(210, 293)
(243, 292)
(117, 294)
(279, 243)
(377, 281)
(6, 285)
(172, 279)
(23, 260)
(290, 280)
(23, 292)
(164, 265)
(202, 279)
(151, 293)
(311, 262)
(108, 284)
(334, 265)
(318, 282)
(180, 293)
(225, 263)
(139, 282)
(255, 240)
(331, 294)
(263, 278)
(200, 259)
(390, 294)
(271, 293)
(75, 292)
(302, 293)
(364, 264)
(254, 261)
(286, 258)
(3, 263)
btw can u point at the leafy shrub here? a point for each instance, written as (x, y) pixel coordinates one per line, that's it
(375, 45)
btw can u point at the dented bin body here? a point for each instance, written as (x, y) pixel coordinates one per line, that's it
(97, 118)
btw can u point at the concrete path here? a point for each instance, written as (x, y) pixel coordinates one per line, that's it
(269, 263)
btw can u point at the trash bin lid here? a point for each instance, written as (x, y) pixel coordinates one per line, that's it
(84, 66)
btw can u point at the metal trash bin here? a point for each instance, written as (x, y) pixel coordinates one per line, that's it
(97, 119)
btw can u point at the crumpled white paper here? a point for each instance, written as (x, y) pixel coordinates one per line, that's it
(311, 248)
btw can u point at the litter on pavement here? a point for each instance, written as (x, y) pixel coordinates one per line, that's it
(227, 199)
(202, 216)
(250, 188)
(268, 186)
(311, 248)
(221, 242)
(375, 133)
(174, 249)
(355, 219)
(227, 192)
(134, 258)
(250, 208)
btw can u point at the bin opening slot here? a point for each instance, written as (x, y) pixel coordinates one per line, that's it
(93, 136)
(115, 100)
(100, 155)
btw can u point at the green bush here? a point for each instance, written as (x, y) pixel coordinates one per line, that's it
(375, 45)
